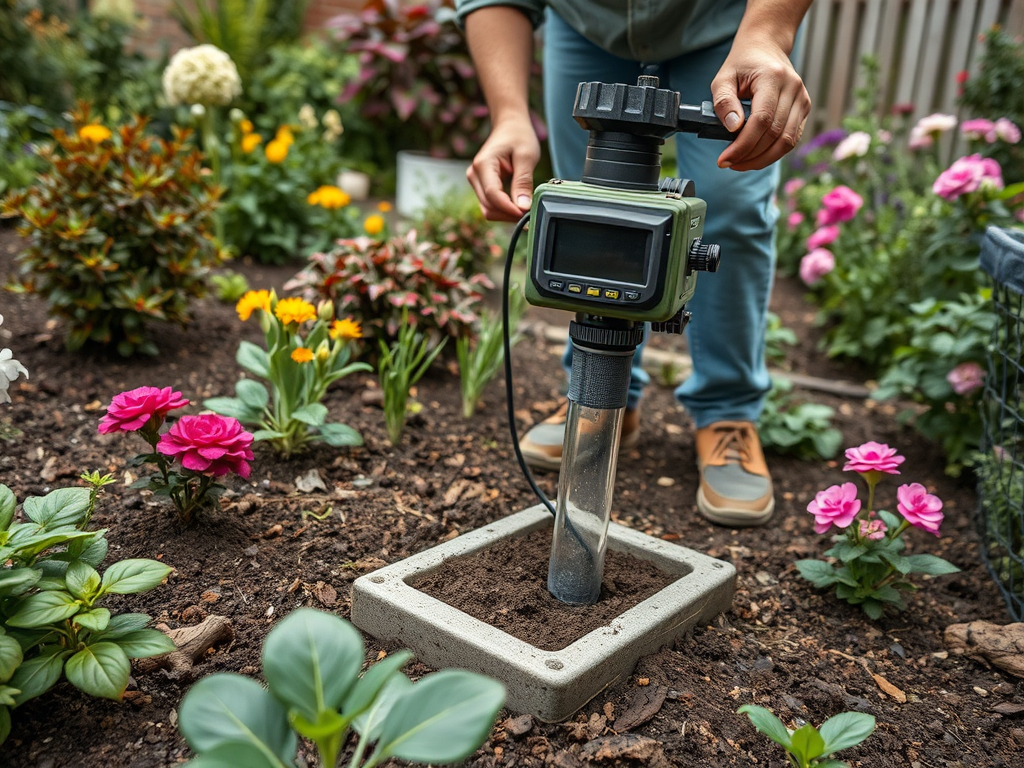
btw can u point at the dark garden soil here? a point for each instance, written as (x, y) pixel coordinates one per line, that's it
(783, 644)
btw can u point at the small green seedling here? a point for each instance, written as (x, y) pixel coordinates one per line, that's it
(401, 365)
(229, 286)
(810, 747)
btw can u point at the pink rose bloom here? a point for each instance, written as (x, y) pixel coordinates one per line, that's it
(920, 508)
(795, 220)
(836, 506)
(873, 457)
(824, 236)
(966, 378)
(928, 128)
(1006, 130)
(873, 529)
(131, 411)
(967, 175)
(979, 128)
(210, 444)
(856, 144)
(793, 186)
(816, 264)
(839, 205)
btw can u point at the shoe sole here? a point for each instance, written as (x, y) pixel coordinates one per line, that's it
(538, 460)
(732, 517)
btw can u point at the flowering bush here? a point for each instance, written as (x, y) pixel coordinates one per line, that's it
(377, 280)
(870, 568)
(208, 446)
(118, 232)
(10, 369)
(299, 365)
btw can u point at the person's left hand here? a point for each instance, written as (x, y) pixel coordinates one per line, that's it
(760, 70)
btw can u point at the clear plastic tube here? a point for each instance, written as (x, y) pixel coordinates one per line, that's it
(585, 485)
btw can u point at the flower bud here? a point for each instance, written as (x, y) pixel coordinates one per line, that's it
(325, 311)
(198, 111)
(323, 352)
(236, 115)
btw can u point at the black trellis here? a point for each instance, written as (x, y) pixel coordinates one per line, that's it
(1000, 466)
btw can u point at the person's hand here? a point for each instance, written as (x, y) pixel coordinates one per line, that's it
(759, 69)
(508, 156)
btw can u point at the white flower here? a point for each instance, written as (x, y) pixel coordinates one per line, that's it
(854, 145)
(927, 128)
(332, 122)
(201, 75)
(307, 116)
(9, 370)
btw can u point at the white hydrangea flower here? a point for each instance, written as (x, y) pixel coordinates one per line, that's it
(201, 75)
(9, 371)
(854, 145)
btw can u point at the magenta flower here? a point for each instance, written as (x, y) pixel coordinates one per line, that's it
(132, 410)
(967, 175)
(839, 205)
(920, 508)
(210, 444)
(792, 186)
(978, 128)
(966, 378)
(794, 220)
(873, 528)
(821, 237)
(816, 264)
(836, 506)
(873, 457)
(1006, 130)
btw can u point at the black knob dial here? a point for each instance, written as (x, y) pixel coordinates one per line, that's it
(704, 257)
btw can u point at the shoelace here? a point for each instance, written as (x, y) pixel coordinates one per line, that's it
(733, 445)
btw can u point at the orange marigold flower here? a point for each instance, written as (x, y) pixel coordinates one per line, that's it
(276, 151)
(345, 329)
(384, 206)
(302, 354)
(374, 224)
(294, 310)
(250, 141)
(252, 300)
(285, 135)
(94, 133)
(246, 126)
(329, 197)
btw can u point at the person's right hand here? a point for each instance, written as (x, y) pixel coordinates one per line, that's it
(508, 156)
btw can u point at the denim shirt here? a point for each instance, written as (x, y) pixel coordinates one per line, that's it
(640, 30)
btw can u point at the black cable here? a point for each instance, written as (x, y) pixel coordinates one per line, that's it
(507, 345)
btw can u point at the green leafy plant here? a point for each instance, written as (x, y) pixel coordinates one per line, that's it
(1001, 508)
(810, 747)
(803, 429)
(237, 27)
(118, 232)
(455, 221)
(305, 352)
(400, 366)
(52, 618)
(311, 661)
(869, 567)
(480, 356)
(776, 338)
(376, 281)
(21, 128)
(229, 286)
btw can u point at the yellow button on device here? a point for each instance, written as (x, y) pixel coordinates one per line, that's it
(610, 294)
(592, 291)
(573, 288)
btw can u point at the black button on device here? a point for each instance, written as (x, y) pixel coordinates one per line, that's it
(630, 295)
(556, 285)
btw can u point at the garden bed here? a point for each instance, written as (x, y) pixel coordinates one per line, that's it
(783, 645)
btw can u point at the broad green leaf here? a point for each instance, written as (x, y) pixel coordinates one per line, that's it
(931, 565)
(254, 359)
(128, 577)
(101, 669)
(44, 608)
(36, 676)
(267, 434)
(899, 562)
(873, 608)
(64, 506)
(82, 580)
(230, 709)
(340, 435)
(233, 407)
(370, 722)
(236, 755)
(29, 546)
(443, 718)
(847, 729)
(891, 521)
(10, 657)
(143, 643)
(807, 743)
(125, 623)
(311, 659)
(5, 724)
(313, 414)
(252, 394)
(370, 684)
(818, 572)
(767, 723)
(94, 552)
(95, 620)
(8, 503)
(15, 581)
(328, 724)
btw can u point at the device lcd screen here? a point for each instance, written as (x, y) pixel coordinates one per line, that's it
(587, 249)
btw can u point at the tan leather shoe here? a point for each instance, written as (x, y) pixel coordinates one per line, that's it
(542, 445)
(735, 485)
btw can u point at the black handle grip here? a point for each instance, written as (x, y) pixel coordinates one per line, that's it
(703, 121)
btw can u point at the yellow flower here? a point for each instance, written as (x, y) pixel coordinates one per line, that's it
(250, 301)
(301, 354)
(276, 151)
(250, 141)
(294, 310)
(285, 136)
(374, 224)
(345, 329)
(329, 197)
(94, 133)
(246, 126)
(384, 206)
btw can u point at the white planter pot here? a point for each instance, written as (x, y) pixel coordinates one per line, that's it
(355, 183)
(422, 178)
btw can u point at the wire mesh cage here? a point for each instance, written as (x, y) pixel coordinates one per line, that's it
(1000, 464)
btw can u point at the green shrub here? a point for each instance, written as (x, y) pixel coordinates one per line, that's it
(790, 426)
(117, 232)
(456, 221)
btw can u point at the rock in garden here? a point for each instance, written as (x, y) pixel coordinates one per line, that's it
(1001, 646)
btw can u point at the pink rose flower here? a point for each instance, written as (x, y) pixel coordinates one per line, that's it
(978, 128)
(793, 186)
(873, 529)
(210, 444)
(928, 129)
(873, 457)
(920, 508)
(966, 378)
(967, 175)
(839, 205)
(795, 220)
(836, 506)
(856, 144)
(130, 411)
(1006, 130)
(824, 236)
(816, 264)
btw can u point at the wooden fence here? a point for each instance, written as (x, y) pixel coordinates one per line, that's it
(920, 45)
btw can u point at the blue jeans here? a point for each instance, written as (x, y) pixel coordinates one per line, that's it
(726, 334)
